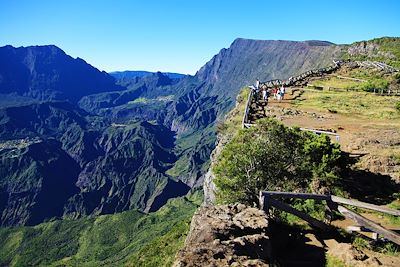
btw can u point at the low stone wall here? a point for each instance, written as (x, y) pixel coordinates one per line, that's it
(302, 79)
(296, 80)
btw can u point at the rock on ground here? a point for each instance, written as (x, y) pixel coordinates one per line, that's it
(226, 235)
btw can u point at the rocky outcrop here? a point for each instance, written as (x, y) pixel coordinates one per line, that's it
(228, 235)
(208, 185)
(367, 49)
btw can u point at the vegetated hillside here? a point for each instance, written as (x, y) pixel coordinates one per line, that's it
(58, 161)
(385, 49)
(141, 73)
(142, 97)
(47, 73)
(130, 238)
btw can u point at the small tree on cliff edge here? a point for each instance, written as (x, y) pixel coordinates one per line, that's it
(271, 156)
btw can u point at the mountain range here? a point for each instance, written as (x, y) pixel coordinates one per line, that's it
(75, 141)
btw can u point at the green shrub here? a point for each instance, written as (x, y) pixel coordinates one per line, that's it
(271, 156)
(397, 106)
(377, 83)
(390, 249)
(361, 243)
(332, 261)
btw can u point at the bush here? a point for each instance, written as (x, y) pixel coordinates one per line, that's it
(397, 106)
(271, 156)
(376, 83)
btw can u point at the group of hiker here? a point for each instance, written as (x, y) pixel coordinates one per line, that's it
(277, 92)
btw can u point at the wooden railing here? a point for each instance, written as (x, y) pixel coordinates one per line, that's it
(268, 199)
(245, 121)
(337, 136)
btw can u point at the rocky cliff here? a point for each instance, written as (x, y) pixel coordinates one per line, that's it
(229, 235)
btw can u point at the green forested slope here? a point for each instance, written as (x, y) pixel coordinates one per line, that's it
(128, 238)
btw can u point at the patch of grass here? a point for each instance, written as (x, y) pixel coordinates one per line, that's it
(233, 122)
(361, 104)
(387, 248)
(361, 243)
(332, 261)
(337, 83)
(391, 218)
(390, 249)
(110, 240)
(397, 106)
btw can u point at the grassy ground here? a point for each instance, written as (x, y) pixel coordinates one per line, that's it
(233, 121)
(360, 104)
(370, 79)
(129, 238)
(337, 83)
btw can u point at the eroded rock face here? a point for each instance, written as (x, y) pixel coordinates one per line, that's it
(226, 235)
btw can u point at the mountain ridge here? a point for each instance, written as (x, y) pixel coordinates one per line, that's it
(137, 141)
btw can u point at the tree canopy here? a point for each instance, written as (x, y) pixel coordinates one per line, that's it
(271, 156)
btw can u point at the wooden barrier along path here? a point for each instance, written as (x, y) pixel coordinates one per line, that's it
(246, 123)
(267, 200)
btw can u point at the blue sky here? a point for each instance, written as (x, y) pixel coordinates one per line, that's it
(181, 35)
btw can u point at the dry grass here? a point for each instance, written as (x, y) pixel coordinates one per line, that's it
(337, 83)
(360, 104)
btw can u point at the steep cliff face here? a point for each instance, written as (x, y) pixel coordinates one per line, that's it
(246, 60)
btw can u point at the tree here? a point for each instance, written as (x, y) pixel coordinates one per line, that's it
(271, 156)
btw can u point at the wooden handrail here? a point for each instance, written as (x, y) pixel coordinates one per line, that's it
(392, 236)
(337, 136)
(333, 198)
(296, 195)
(266, 200)
(285, 207)
(246, 110)
(365, 205)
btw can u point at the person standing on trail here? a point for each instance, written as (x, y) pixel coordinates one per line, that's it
(257, 84)
(275, 92)
(282, 92)
(264, 94)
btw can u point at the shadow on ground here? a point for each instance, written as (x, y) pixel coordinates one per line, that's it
(291, 246)
(367, 186)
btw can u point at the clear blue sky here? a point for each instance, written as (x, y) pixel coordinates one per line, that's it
(181, 35)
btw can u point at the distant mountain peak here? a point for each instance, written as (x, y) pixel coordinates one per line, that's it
(46, 72)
